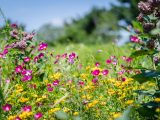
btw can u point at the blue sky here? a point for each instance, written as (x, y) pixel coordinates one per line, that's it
(34, 13)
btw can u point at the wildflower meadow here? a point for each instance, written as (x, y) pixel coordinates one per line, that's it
(82, 82)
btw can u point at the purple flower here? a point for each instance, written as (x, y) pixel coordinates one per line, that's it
(134, 39)
(42, 46)
(105, 72)
(72, 56)
(27, 59)
(38, 115)
(97, 64)
(56, 82)
(50, 89)
(108, 61)
(94, 80)
(95, 72)
(27, 108)
(26, 78)
(7, 107)
(5, 51)
(36, 59)
(26, 72)
(18, 69)
(41, 55)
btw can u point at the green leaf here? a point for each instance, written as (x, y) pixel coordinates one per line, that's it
(145, 76)
(155, 31)
(61, 115)
(126, 114)
(142, 53)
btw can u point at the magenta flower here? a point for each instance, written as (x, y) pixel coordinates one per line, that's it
(108, 61)
(14, 25)
(1, 55)
(27, 108)
(95, 72)
(18, 69)
(38, 115)
(129, 60)
(7, 107)
(26, 72)
(49, 85)
(56, 82)
(134, 39)
(27, 59)
(64, 55)
(71, 61)
(81, 83)
(18, 118)
(50, 89)
(36, 59)
(95, 80)
(123, 79)
(5, 51)
(42, 46)
(105, 72)
(97, 64)
(41, 55)
(72, 56)
(26, 78)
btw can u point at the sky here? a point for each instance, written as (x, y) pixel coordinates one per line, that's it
(35, 13)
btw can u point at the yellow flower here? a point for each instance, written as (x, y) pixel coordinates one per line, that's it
(116, 115)
(57, 76)
(88, 67)
(158, 110)
(25, 115)
(53, 110)
(24, 99)
(66, 109)
(84, 76)
(157, 99)
(129, 102)
(11, 117)
(75, 113)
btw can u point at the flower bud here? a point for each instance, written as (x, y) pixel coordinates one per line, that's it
(148, 27)
(154, 3)
(140, 17)
(145, 8)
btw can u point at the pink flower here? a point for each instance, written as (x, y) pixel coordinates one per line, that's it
(8, 81)
(26, 72)
(105, 72)
(97, 64)
(124, 57)
(64, 55)
(41, 55)
(42, 46)
(134, 39)
(123, 79)
(7, 107)
(72, 56)
(50, 89)
(94, 80)
(81, 83)
(1, 55)
(26, 78)
(56, 82)
(27, 59)
(18, 118)
(95, 72)
(5, 51)
(36, 59)
(108, 61)
(27, 108)
(38, 115)
(18, 69)
(129, 60)
(14, 25)
(71, 61)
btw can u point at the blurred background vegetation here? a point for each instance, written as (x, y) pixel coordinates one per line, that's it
(98, 26)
